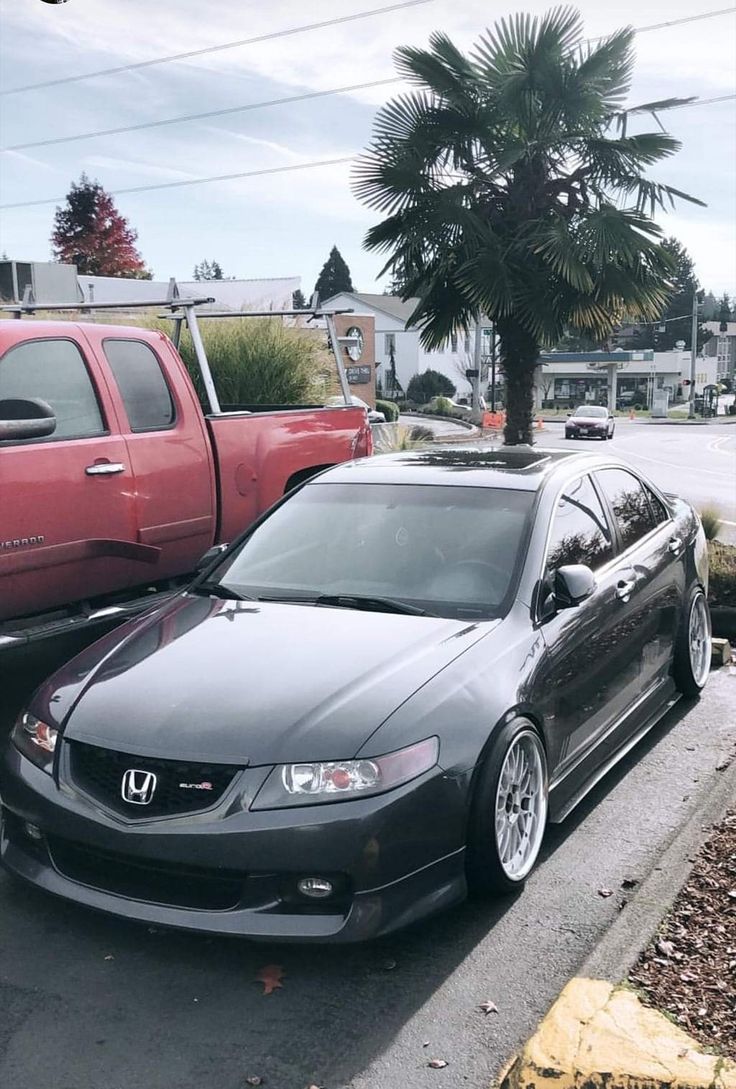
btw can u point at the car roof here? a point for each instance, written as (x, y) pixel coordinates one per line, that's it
(524, 468)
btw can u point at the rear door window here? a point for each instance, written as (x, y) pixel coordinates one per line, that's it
(142, 385)
(53, 371)
(629, 501)
(580, 532)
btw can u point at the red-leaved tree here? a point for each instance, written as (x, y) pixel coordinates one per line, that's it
(90, 232)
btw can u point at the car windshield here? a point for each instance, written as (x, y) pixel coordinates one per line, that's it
(590, 411)
(452, 551)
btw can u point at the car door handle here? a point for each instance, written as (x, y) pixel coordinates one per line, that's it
(105, 468)
(675, 545)
(625, 588)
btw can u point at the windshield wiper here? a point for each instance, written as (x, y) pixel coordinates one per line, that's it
(216, 589)
(353, 601)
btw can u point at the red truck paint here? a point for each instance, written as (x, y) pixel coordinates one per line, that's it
(67, 536)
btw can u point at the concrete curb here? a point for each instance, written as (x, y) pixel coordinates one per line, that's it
(598, 1034)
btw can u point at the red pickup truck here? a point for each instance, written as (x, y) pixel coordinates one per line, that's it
(113, 480)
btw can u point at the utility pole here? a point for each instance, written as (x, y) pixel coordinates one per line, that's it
(693, 355)
(477, 365)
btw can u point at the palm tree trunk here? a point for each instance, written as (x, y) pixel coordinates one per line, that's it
(519, 356)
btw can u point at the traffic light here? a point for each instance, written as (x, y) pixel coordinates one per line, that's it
(686, 382)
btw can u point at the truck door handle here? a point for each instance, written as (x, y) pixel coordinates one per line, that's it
(675, 545)
(624, 588)
(105, 468)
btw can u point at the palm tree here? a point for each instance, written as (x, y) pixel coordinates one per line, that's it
(511, 190)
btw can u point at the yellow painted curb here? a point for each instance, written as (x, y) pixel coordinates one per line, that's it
(597, 1036)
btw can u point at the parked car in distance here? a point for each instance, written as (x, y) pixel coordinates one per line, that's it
(376, 698)
(114, 479)
(374, 415)
(590, 422)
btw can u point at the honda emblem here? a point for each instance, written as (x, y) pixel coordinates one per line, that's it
(138, 787)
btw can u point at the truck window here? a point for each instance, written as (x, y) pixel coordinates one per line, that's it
(142, 384)
(54, 371)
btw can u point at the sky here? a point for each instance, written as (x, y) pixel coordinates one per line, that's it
(285, 224)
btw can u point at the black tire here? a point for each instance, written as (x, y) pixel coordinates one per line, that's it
(691, 674)
(485, 870)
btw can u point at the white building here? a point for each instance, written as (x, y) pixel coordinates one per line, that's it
(272, 294)
(621, 379)
(395, 337)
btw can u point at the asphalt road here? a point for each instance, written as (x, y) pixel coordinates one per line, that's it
(89, 1002)
(697, 461)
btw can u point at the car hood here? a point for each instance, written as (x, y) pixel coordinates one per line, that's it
(257, 683)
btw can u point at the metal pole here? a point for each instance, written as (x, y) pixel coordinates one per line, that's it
(204, 366)
(493, 368)
(337, 351)
(176, 331)
(477, 365)
(693, 355)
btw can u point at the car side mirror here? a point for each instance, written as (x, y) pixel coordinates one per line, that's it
(29, 418)
(210, 556)
(574, 582)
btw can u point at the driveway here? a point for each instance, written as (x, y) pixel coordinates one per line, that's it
(90, 1002)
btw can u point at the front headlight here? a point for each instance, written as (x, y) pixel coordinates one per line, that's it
(338, 780)
(35, 739)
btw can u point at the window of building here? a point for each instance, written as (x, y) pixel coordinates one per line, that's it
(53, 371)
(630, 504)
(142, 385)
(389, 344)
(580, 532)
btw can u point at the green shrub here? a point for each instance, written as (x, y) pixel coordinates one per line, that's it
(423, 387)
(389, 409)
(722, 582)
(259, 361)
(712, 523)
(443, 407)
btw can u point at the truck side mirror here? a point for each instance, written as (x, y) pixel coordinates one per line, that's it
(26, 419)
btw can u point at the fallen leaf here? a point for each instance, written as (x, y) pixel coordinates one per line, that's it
(665, 948)
(732, 894)
(723, 766)
(109, 957)
(254, 1080)
(605, 892)
(437, 1064)
(629, 883)
(389, 965)
(682, 1054)
(426, 1043)
(270, 977)
(488, 1007)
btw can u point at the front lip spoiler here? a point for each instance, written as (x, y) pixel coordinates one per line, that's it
(373, 913)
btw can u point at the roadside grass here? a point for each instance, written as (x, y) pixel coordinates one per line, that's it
(711, 521)
(722, 584)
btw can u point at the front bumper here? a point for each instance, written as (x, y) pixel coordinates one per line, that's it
(589, 433)
(393, 859)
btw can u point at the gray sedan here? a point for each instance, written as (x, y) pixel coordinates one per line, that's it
(374, 701)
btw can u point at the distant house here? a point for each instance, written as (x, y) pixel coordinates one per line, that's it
(722, 347)
(397, 342)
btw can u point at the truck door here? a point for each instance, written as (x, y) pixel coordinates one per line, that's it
(67, 519)
(167, 441)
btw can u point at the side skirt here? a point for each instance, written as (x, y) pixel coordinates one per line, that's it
(559, 813)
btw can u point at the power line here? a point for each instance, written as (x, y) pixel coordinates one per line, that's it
(288, 100)
(197, 181)
(269, 170)
(676, 22)
(203, 116)
(289, 31)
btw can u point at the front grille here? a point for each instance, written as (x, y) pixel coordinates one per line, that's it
(99, 773)
(143, 879)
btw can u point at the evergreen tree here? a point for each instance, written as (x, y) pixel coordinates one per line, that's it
(334, 277)
(298, 301)
(90, 233)
(724, 312)
(208, 270)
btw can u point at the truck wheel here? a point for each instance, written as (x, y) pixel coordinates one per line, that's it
(509, 811)
(693, 646)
